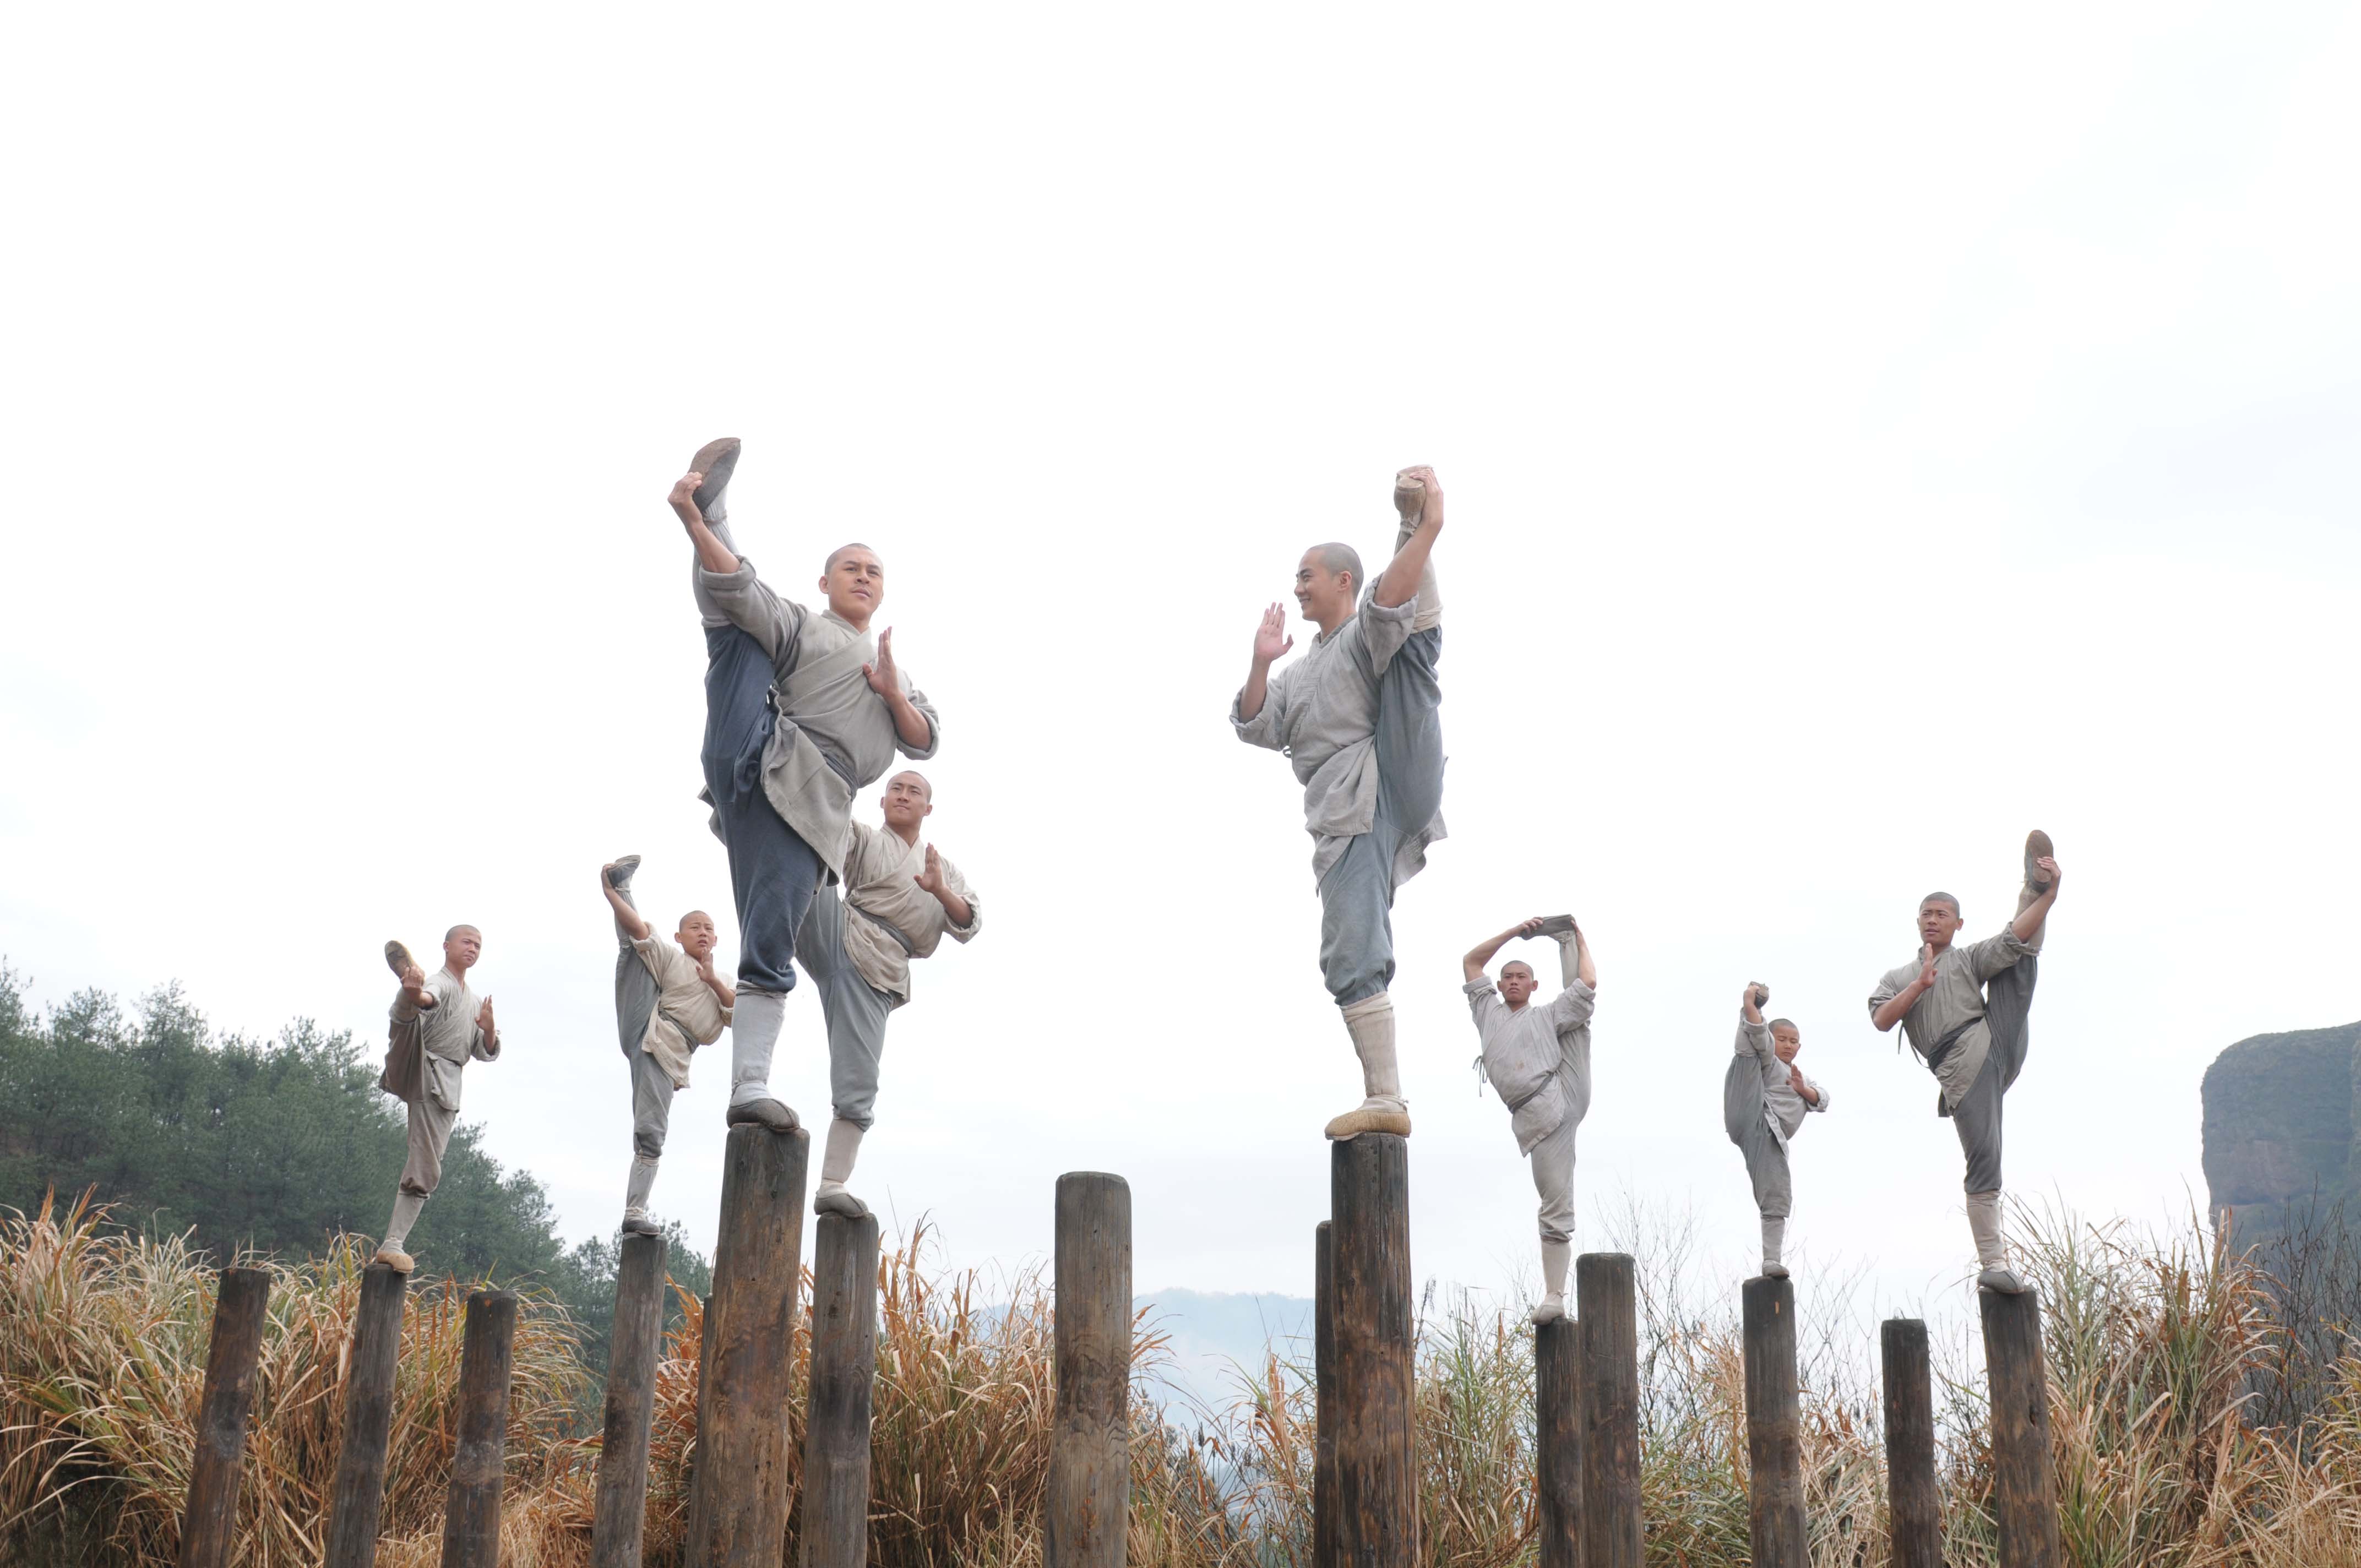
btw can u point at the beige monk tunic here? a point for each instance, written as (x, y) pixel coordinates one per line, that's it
(895, 920)
(826, 711)
(1956, 999)
(1322, 710)
(686, 1014)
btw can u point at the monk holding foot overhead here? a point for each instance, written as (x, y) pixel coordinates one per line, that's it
(1539, 1058)
(1764, 1099)
(1964, 1012)
(802, 708)
(1359, 716)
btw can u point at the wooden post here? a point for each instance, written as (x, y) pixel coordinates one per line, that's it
(737, 1495)
(1557, 1441)
(1914, 1508)
(1774, 1439)
(843, 1370)
(1323, 1397)
(369, 1416)
(620, 1512)
(1377, 1342)
(471, 1505)
(1611, 1530)
(208, 1527)
(1087, 1508)
(2024, 1486)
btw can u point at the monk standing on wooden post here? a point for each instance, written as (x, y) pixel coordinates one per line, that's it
(1087, 1506)
(1359, 716)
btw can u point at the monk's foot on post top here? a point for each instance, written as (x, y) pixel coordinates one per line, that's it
(640, 1225)
(1774, 1271)
(775, 1114)
(836, 1201)
(716, 460)
(397, 957)
(2038, 846)
(1548, 1309)
(2000, 1282)
(393, 1258)
(1373, 1117)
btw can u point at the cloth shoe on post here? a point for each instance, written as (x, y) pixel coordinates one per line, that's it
(1370, 1022)
(754, 1027)
(1991, 1255)
(835, 1165)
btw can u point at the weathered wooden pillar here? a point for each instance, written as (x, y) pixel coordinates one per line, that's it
(1087, 1508)
(843, 1371)
(1914, 1508)
(471, 1505)
(1557, 1441)
(1774, 1439)
(208, 1527)
(1605, 1304)
(368, 1417)
(738, 1494)
(1323, 1397)
(2024, 1486)
(619, 1514)
(1377, 1346)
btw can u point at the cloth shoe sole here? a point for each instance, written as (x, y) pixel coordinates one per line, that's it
(395, 1258)
(776, 1114)
(841, 1203)
(1353, 1124)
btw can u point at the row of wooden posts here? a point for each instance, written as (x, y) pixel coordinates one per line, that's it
(1364, 1479)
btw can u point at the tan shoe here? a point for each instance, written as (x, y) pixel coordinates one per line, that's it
(397, 958)
(393, 1258)
(2038, 848)
(836, 1201)
(776, 1114)
(1372, 1116)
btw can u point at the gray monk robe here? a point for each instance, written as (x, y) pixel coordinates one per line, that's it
(835, 736)
(1975, 1045)
(1537, 1057)
(428, 1048)
(1760, 1112)
(858, 946)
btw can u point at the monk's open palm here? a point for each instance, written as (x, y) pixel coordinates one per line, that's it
(883, 679)
(1270, 638)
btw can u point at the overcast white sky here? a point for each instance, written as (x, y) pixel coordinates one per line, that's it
(1868, 435)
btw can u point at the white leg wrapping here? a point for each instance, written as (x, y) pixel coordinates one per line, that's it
(843, 1148)
(1984, 1221)
(1370, 1022)
(635, 1191)
(1774, 1237)
(406, 1206)
(754, 1033)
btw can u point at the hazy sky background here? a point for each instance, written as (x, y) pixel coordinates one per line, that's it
(1867, 435)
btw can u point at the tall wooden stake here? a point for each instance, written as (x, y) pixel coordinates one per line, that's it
(1914, 1507)
(208, 1527)
(2025, 1485)
(619, 1514)
(1324, 1413)
(1087, 1508)
(1612, 1534)
(1774, 1441)
(1557, 1441)
(843, 1371)
(1377, 1331)
(471, 1505)
(359, 1490)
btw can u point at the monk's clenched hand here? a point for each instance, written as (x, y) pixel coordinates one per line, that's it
(684, 498)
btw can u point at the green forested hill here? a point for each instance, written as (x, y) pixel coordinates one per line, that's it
(268, 1146)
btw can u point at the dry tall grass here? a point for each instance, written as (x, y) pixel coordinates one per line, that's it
(2154, 1346)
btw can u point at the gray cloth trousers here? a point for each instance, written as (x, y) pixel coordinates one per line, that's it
(2008, 1006)
(429, 1135)
(855, 1010)
(1553, 1160)
(1356, 897)
(1744, 1118)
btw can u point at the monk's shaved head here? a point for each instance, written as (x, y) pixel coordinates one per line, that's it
(839, 552)
(1787, 1024)
(1339, 559)
(453, 934)
(1941, 898)
(1517, 964)
(924, 783)
(694, 915)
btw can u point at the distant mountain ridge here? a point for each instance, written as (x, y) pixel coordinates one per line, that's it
(1218, 1337)
(2279, 1129)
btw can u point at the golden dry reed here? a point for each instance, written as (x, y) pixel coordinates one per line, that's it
(2154, 1342)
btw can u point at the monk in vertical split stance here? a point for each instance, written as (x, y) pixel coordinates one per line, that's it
(801, 709)
(1539, 1058)
(1964, 1010)
(439, 1026)
(1359, 716)
(901, 898)
(668, 1002)
(1765, 1097)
